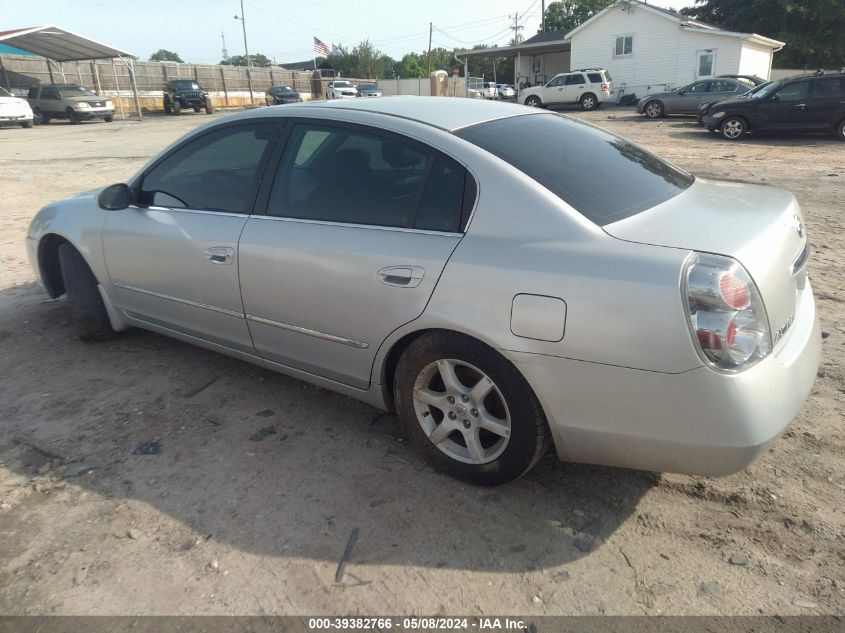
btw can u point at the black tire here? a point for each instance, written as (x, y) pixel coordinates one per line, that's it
(534, 102)
(177, 108)
(654, 110)
(86, 304)
(26, 124)
(733, 128)
(168, 108)
(75, 119)
(209, 109)
(589, 102)
(529, 435)
(108, 119)
(840, 130)
(197, 110)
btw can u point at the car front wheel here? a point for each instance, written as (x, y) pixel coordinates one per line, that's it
(468, 410)
(86, 304)
(840, 130)
(734, 128)
(534, 102)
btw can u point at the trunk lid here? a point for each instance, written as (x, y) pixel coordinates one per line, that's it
(761, 227)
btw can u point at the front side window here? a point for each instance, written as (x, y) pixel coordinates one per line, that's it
(795, 91)
(602, 176)
(557, 81)
(217, 171)
(352, 176)
(624, 45)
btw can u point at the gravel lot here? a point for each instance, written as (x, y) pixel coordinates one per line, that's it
(218, 522)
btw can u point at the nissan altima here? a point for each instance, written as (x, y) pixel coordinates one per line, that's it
(503, 277)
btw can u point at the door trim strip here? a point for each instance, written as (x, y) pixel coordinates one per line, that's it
(308, 332)
(194, 304)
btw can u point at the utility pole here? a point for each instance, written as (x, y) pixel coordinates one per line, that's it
(430, 27)
(246, 50)
(516, 28)
(543, 14)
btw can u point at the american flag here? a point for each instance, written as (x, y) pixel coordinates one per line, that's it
(321, 48)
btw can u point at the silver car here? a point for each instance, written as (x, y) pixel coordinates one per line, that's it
(687, 99)
(504, 278)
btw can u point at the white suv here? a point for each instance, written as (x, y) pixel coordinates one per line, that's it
(589, 86)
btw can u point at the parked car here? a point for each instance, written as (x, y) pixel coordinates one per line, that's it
(184, 94)
(589, 87)
(814, 104)
(687, 99)
(368, 90)
(341, 90)
(277, 95)
(488, 89)
(14, 110)
(754, 79)
(451, 260)
(505, 91)
(68, 101)
(704, 108)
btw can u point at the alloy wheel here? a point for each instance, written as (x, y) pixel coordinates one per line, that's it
(462, 411)
(733, 128)
(653, 110)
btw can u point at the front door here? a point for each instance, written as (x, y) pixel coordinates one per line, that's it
(555, 90)
(358, 227)
(786, 109)
(173, 259)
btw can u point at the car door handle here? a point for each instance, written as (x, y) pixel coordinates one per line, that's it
(220, 254)
(801, 106)
(403, 276)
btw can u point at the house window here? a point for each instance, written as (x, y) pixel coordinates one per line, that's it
(624, 45)
(706, 62)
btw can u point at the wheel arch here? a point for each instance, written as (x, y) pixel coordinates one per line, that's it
(49, 267)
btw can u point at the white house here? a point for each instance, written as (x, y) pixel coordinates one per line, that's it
(649, 49)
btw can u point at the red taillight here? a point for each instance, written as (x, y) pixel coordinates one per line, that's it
(734, 291)
(605, 87)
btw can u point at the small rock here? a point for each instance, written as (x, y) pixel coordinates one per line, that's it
(825, 334)
(267, 430)
(134, 534)
(266, 413)
(806, 604)
(664, 556)
(738, 558)
(215, 565)
(708, 588)
(585, 544)
(821, 373)
(561, 576)
(147, 448)
(74, 470)
(536, 599)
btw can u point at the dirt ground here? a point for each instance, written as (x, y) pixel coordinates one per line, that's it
(219, 517)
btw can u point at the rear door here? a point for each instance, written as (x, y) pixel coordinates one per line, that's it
(827, 103)
(576, 86)
(359, 224)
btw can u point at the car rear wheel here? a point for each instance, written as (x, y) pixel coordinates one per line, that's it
(108, 119)
(534, 102)
(654, 110)
(177, 108)
(39, 117)
(840, 130)
(86, 304)
(589, 102)
(468, 411)
(733, 128)
(26, 124)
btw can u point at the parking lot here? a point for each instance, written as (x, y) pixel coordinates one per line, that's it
(147, 476)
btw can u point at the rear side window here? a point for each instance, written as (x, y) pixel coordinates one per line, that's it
(595, 78)
(602, 176)
(575, 80)
(352, 176)
(829, 87)
(33, 93)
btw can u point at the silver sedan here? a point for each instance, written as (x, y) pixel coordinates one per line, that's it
(503, 277)
(687, 99)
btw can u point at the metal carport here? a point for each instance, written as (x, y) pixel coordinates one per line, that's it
(56, 44)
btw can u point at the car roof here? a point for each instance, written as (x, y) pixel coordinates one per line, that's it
(446, 113)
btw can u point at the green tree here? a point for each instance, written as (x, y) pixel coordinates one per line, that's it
(814, 30)
(567, 14)
(258, 60)
(164, 55)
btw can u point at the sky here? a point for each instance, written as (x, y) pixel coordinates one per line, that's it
(281, 29)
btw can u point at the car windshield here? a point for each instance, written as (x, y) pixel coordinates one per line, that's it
(367, 87)
(286, 90)
(602, 176)
(185, 85)
(75, 91)
(4, 93)
(342, 84)
(764, 90)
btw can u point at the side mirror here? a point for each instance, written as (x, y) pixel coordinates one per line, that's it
(57, 97)
(115, 197)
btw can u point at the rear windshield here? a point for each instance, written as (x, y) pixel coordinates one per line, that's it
(601, 175)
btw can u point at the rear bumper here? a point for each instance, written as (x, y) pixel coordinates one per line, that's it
(699, 422)
(15, 118)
